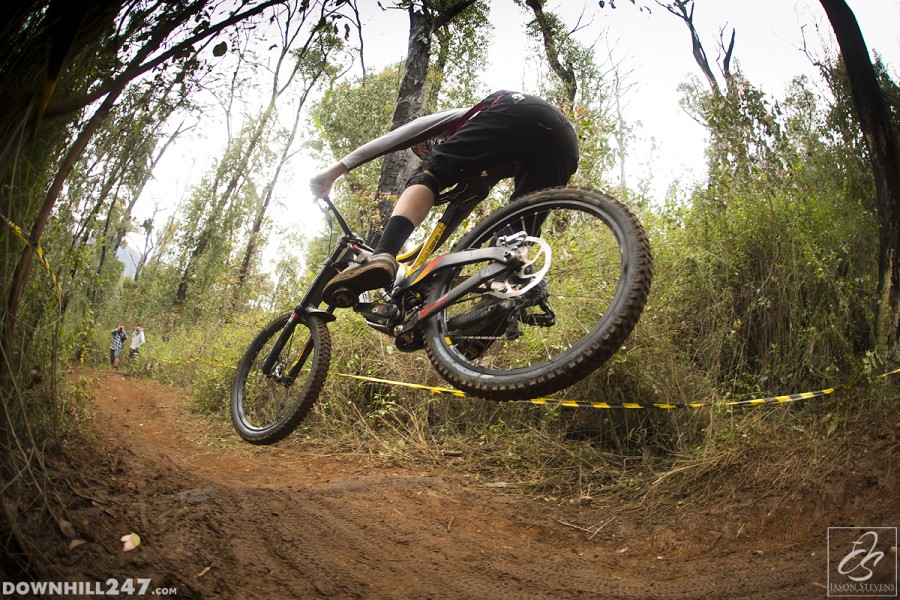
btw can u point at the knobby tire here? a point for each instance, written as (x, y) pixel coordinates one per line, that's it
(597, 286)
(265, 411)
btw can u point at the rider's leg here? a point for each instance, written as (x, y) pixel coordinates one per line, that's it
(414, 203)
(411, 209)
(380, 269)
(519, 129)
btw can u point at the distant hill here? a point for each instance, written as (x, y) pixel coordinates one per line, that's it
(129, 257)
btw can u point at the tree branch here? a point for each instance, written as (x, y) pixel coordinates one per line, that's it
(550, 32)
(729, 52)
(679, 8)
(448, 14)
(67, 105)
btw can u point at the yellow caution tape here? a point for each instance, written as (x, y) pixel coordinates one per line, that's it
(605, 405)
(415, 386)
(569, 403)
(35, 247)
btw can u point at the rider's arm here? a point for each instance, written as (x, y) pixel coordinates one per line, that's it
(321, 183)
(405, 136)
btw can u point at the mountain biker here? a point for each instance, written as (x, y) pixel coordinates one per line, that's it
(509, 130)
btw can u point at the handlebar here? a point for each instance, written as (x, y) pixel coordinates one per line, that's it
(331, 208)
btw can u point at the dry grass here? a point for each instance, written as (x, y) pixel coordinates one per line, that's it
(569, 455)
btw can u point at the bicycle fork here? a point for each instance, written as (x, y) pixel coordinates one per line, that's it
(308, 307)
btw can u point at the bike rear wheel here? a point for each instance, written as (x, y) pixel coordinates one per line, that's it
(587, 303)
(266, 409)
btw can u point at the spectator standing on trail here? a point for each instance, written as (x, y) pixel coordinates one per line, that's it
(137, 340)
(117, 344)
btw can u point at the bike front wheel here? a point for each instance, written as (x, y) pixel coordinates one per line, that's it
(593, 269)
(267, 408)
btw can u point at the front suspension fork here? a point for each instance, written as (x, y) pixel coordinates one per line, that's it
(299, 313)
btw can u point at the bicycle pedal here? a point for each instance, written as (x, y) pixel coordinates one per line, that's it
(380, 314)
(344, 298)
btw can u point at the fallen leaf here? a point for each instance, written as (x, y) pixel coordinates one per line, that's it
(130, 541)
(75, 543)
(67, 529)
(622, 550)
(204, 571)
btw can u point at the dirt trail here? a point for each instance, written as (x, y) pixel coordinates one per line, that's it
(221, 519)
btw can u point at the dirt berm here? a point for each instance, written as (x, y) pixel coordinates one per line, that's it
(221, 519)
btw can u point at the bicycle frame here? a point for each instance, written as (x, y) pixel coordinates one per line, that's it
(350, 247)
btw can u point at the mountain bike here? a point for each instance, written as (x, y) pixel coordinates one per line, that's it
(528, 301)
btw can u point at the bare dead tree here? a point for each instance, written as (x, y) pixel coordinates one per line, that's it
(684, 10)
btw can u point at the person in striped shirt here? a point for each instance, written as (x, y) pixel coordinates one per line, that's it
(117, 344)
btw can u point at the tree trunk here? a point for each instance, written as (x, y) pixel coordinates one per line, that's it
(104, 250)
(148, 243)
(253, 239)
(220, 203)
(881, 141)
(399, 166)
(38, 42)
(550, 34)
(23, 267)
(247, 151)
(122, 231)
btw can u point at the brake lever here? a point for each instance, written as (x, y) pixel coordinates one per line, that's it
(324, 207)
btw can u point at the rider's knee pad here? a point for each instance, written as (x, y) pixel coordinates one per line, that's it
(427, 179)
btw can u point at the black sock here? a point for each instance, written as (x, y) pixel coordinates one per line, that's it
(396, 231)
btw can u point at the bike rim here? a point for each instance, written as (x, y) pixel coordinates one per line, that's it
(584, 284)
(267, 401)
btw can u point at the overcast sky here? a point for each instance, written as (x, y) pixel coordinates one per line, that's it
(653, 46)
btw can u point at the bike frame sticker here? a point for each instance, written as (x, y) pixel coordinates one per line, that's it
(430, 245)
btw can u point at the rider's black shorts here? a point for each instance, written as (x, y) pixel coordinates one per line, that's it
(521, 132)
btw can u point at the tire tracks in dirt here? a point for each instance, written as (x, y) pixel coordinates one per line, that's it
(221, 519)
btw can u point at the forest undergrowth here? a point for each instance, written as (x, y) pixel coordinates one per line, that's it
(704, 455)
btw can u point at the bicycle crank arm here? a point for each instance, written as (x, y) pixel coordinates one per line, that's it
(486, 274)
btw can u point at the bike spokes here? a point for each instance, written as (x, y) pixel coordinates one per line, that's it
(579, 292)
(265, 407)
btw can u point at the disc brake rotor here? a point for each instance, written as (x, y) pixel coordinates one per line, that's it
(529, 275)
